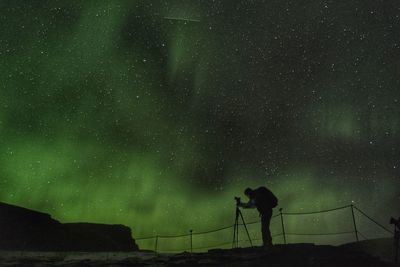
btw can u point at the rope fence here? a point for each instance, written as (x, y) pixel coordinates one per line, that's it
(321, 234)
(315, 212)
(284, 234)
(380, 225)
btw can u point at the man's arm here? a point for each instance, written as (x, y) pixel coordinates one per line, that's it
(249, 205)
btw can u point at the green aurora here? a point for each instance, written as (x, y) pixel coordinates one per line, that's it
(112, 113)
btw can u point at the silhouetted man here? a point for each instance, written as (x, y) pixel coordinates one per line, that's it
(264, 200)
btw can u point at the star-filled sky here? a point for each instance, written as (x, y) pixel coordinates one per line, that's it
(154, 114)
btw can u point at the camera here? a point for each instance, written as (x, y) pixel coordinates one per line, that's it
(237, 200)
(395, 222)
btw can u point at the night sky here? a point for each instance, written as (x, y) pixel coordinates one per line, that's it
(155, 114)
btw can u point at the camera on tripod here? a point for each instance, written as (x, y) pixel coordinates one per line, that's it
(235, 242)
(237, 200)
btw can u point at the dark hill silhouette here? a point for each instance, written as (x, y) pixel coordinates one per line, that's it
(24, 229)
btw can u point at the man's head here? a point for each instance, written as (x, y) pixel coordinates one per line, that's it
(248, 192)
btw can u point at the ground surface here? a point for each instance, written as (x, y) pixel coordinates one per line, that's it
(280, 255)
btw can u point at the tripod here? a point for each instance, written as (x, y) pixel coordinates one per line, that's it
(235, 242)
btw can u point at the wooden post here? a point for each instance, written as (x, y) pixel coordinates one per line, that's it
(191, 241)
(397, 239)
(283, 226)
(354, 222)
(156, 244)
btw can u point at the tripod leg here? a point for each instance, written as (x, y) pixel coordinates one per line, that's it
(245, 227)
(234, 235)
(235, 228)
(237, 231)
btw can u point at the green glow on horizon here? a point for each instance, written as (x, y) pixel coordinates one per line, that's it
(139, 188)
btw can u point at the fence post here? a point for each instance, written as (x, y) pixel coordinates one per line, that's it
(191, 241)
(283, 226)
(354, 221)
(156, 244)
(396, 237)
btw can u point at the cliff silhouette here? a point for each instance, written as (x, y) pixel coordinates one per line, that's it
(22, 229)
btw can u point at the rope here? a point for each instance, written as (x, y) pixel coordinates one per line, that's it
(173, 236)
(380, 225)
(161, 236)
(212, 231)
(254, 222)
(315, 212)
(200, 233)
(337, 233)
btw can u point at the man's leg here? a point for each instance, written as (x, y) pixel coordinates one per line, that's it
(266, 233)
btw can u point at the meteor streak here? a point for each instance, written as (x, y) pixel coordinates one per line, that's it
(183, 19)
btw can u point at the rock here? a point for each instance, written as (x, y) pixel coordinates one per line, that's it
(28, 230)
(384, 248)
(101, 237)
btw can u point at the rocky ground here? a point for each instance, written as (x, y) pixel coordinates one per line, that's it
(281, 255)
